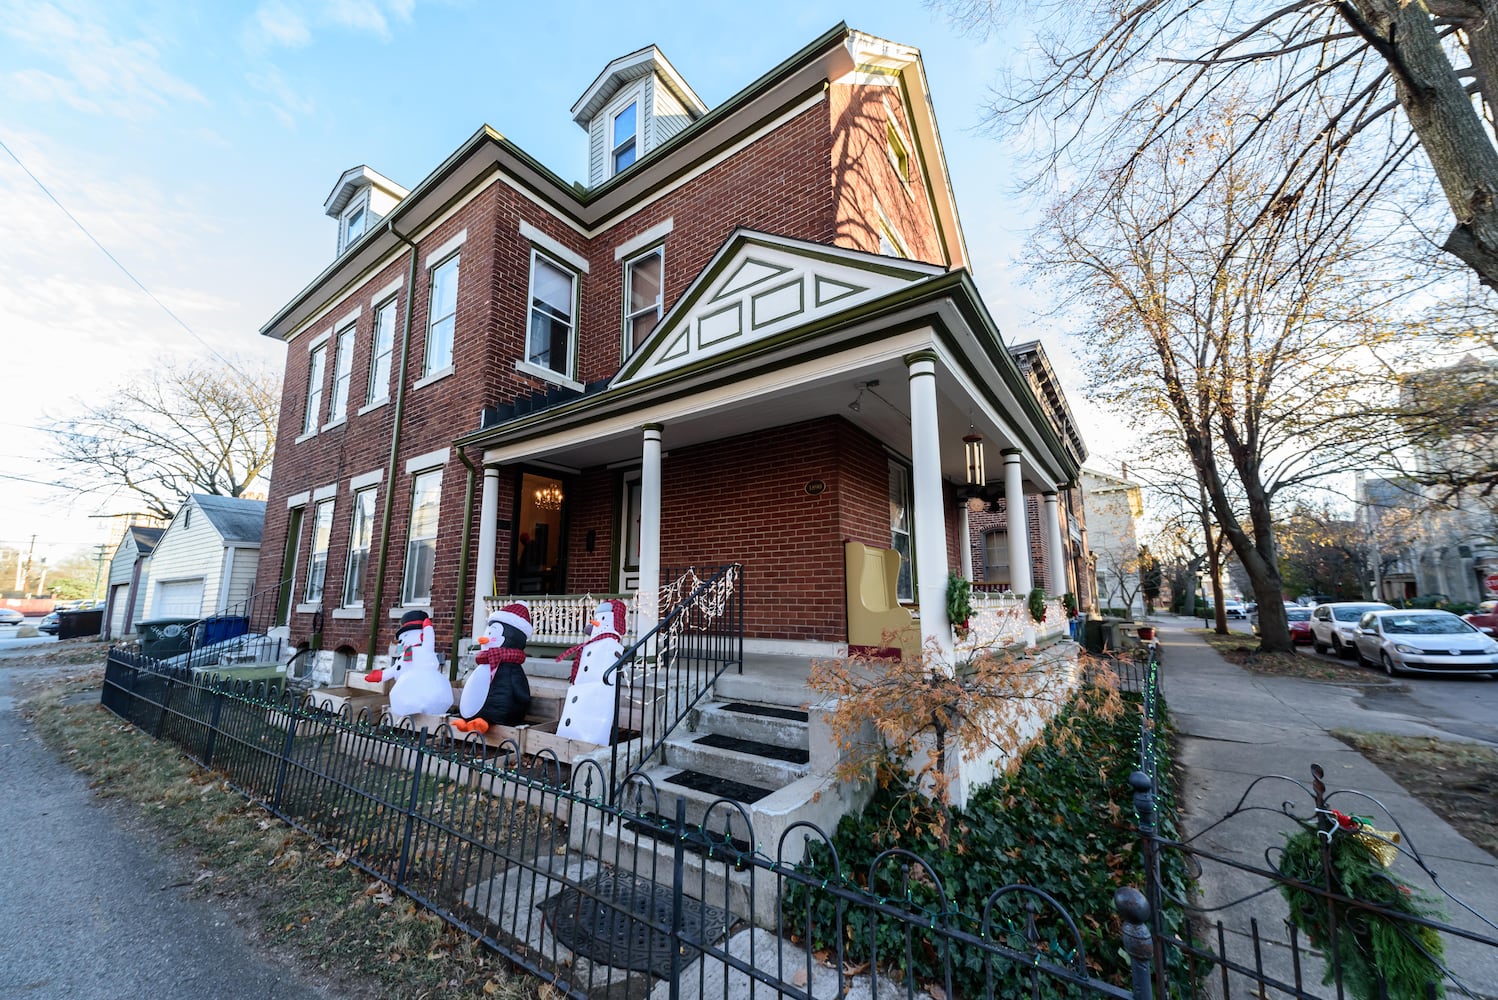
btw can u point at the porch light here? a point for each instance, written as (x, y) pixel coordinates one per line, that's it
(549, 497)
(972, 446)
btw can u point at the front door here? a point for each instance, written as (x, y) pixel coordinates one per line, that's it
(628, 569)
(539, 554)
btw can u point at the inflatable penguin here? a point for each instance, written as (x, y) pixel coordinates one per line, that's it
(420, 686)
(497, 693)
(588, 712)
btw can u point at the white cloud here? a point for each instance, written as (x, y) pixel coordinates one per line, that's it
(275, 24)
(94, 70)
(285, 102)
(281, 25)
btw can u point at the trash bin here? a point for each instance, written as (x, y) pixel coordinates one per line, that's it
(164, 637)
(222, 628)
(78, 624)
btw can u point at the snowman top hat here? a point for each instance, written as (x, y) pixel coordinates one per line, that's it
(518, 615)
(413, 619)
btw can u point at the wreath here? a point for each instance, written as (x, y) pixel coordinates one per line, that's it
(1372, 946)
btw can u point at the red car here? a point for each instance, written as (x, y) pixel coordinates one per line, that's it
(1485, 617)
(1300, 625)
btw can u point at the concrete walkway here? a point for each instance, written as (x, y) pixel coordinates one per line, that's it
(1236, 727)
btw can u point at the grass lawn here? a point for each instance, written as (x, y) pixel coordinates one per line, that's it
(1243, 650)
(1454, 780)
(297, 898)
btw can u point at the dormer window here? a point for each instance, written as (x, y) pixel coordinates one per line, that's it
(360, 199)
(355, 218)
(625, 144)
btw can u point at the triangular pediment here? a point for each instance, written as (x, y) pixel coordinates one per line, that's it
(761, 288)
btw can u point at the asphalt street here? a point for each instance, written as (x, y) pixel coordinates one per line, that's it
(89, 908)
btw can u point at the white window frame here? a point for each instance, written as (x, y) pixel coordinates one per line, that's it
(899, 475)
(317, 565)
(632, 141)
(409, 597)
(369, 495)
(659, 252)
(317, 364)
(378, 390)
(999, 537)
(358, 205)
(429, 370)
(343, 373)
(566, 371)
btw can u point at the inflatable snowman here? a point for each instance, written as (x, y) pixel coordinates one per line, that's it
(588, 711)
(497, 692)
(420, 686)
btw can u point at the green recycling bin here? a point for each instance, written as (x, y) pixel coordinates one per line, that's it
(165, 637)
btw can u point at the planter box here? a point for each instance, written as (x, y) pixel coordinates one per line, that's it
(335, 699)
(357, 682)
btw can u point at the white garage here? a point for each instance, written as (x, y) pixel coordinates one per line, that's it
(178, 599)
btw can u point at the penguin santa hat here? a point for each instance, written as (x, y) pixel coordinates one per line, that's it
(517, 615)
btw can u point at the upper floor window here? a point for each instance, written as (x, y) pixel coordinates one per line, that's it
(894, 148)
(343, 368)
(642, 297)
(421, 539)
(354, 221)
(442, 316)
(322, 533)
(380, 348)
(315, 371)
(626, 143)
(553, 295)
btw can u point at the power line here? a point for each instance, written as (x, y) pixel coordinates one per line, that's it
(36, 482)
(115, 260)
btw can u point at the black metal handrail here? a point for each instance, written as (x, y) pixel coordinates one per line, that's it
(670, 669)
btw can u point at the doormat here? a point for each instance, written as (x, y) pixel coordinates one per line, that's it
(603, 918)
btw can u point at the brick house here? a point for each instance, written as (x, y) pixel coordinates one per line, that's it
(749, 338)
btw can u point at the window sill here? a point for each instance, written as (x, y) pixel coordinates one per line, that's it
(436, 376)
(547, 375)
(306, 436)
(368, 408)
(400, 609)
(335, 423)
(350, 614)
(308, 609)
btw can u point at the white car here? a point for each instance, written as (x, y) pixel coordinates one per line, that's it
(1424, 641)
(1333, 625)
(1234, 609)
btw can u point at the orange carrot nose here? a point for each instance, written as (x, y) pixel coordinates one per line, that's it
(595, 622)
(483, 640)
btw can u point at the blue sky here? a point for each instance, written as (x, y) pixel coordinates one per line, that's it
(198, 142)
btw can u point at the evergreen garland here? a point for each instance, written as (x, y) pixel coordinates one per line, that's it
(1406, 955)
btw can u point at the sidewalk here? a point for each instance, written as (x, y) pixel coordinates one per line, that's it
(1236, 726)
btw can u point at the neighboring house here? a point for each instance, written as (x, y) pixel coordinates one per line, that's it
(206, 560)
(129, 580)
(1114, 506)
(750, 337)
(1417, 547)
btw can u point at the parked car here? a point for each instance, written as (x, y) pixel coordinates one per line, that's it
(1234, 609)
(1300, 623)
(1424, 641)
(10, 616)
(1485, 617)
(1332, 625)
(48, 624)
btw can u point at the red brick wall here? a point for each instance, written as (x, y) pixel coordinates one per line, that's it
(862, 172)
(982, 522)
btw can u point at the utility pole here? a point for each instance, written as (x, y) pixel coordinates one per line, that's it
(99, 570)
(25, 571)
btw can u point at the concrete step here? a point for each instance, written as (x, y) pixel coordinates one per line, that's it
(764, 764)
(710, 874)
(772, 724)
(704, 794)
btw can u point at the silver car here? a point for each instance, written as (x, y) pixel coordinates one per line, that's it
(10, 616)
(1424, 641)
(1333, 625)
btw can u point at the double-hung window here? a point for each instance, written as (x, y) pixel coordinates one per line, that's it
(442, 314)
(315, 369)
(322, 533)
(642, 297)
(899, 526)
(361, 530)
(343, 370)
(380, 348)
(421, 540)
(355, 221)
(996, 557)
(626, 136)
(553, 299)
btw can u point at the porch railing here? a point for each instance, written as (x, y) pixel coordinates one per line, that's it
(665, 673)
(1004, 619)
(562, 619)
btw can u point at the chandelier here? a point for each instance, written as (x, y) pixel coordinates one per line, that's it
(549, 497)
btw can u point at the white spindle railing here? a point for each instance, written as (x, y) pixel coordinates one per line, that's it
(562, 619)
(1004, 619)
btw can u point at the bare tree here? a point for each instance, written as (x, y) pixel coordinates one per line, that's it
(1241, 337)
(171, 431)
(1398, 93)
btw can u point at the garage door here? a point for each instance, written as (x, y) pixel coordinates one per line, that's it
(119, 604)
(178, 599)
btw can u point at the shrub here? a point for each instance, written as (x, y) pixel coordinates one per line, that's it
(1058, 821)
(1037, 604)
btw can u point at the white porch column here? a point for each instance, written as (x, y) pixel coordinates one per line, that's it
(965, 540)
(483, 576)
(650, 531)
(1055, 557)
(929, 508)
(1017, 524)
